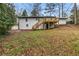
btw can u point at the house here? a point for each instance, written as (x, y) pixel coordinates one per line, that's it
(38, 22)
(63, 20)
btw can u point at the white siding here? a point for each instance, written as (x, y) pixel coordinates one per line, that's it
(62, 21)
(15, 27)
(30, 22)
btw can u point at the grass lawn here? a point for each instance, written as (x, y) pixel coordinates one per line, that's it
(63, 40)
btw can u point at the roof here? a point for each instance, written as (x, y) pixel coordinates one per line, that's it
(63, 18)
(36, 17)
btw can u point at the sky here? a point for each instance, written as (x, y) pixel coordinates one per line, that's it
(28, 6)
(21, 6)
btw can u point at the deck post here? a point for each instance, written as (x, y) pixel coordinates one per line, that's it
(48, 25)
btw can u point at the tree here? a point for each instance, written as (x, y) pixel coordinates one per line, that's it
(50, 8)
(75, 14)
(34, 12)
(24, 13)
(7, 17)
(36, 9)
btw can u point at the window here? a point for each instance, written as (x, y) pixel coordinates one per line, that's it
(26, 19)
(26, 25)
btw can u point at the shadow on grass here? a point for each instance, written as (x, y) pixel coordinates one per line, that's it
(3, 36)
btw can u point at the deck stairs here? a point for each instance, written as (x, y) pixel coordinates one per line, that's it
(35, 26)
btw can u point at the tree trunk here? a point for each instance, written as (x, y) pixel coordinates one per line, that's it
(62, 9)
(75, 14)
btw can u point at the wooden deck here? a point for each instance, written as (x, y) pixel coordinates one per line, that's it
(50, 21)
